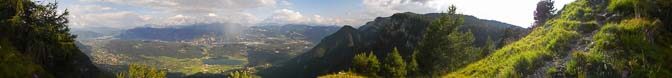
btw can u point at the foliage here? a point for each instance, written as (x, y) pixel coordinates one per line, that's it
(241, 74)
(434, 43)
(659, 9)
(412, 65)
(525, 55)
(343, 75)
(444, 47)
(522, 54)
(13, 65)
(543, 12)
(38, 33)
(141, 71)
(490, 46)
(367, 64)
(394, 65)
(402, 30)
(636, 46)
(633, 42)
(623, 47)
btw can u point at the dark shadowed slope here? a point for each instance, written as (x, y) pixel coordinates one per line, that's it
(35, 43)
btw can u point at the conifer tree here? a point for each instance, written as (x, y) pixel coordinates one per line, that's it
(543, 12)
(240, 74)
(394, 65)
(367, 64)
(141, 71)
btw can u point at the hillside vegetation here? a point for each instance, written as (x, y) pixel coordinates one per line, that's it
(588, 38)
(35, 43)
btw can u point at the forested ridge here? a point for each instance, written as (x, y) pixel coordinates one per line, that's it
(35, 43)
(405, 32)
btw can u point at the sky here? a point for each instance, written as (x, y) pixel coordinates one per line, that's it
(125, 14)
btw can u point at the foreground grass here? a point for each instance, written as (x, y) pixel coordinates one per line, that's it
(343, 75)
(634, 43)
(528, 54)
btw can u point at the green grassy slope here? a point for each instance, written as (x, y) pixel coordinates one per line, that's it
(599, 38)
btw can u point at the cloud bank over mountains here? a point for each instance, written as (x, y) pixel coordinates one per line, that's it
(134, 13)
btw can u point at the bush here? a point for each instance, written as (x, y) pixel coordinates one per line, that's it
(141, 71)
(630, 48)
(343, 75)
(622, 6)
(241, 74)
(367, 64)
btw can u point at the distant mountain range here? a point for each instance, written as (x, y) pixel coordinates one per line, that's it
(190, 32)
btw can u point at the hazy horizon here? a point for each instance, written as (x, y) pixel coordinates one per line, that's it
(133, 13)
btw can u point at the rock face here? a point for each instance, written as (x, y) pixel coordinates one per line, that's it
(403, 31)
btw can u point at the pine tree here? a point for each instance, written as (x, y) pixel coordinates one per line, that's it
(394, 65)
(367, 64)
(240, 74)
(543, 12)
(435, 46)
(489, 46)
(141, 71)
(461, 50)
(40, 32)
(412, 65)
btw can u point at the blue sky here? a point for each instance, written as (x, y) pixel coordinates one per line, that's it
(135, 13)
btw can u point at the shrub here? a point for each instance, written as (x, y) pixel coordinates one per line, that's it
(141, 71)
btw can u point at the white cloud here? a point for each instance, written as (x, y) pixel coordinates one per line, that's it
(212, 14)
(101, 13)
(516, 12)
(133, 13)
(120, 19)
(389, 7)
(384, 8)
(286, 16)
(237, 18)
(196, 6)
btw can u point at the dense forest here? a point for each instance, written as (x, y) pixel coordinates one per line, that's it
(35, 42)
(585, 38)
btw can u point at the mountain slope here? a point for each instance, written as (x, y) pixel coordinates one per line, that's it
(34, 42)
(588, 38)
(178, 33)
(402, 30)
